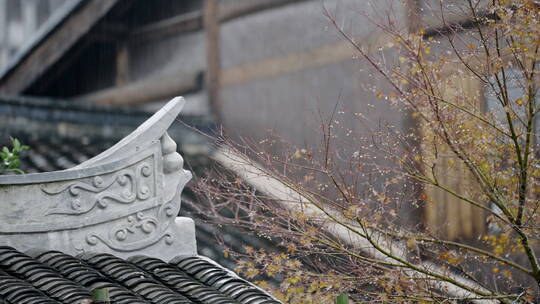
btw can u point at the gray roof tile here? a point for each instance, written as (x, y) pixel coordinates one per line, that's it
(46, 276)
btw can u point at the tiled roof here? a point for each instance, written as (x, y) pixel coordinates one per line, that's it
(62, 135)
(53, 153)
(41, 276)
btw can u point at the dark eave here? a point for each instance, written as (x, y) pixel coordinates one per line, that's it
(47, 122)
(53, 40)
(77, 20)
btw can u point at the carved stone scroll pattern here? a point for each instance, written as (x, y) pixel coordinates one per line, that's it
(138, 231)
(125, 187)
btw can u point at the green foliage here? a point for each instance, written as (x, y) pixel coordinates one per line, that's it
(101, 295)
(342, 299)
(9, 159)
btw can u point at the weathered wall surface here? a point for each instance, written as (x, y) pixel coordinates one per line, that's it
(280, 66)
(290, 62)
(185, 53)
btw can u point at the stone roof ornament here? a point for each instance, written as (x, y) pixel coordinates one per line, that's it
(124, 201)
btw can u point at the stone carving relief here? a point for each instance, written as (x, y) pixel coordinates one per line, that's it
(124, 187)
(144, 228)
(122, 201)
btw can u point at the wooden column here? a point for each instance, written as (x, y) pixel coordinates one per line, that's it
(122, 64)
(29, 17)
(410, 214)
(213, 65)
(4, 49)
(452, 218)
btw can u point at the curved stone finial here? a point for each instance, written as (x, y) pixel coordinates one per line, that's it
(122, 201)
(172, 161)
(152, 129)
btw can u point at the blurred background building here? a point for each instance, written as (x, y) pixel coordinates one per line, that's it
(19, 21)
(79, 74)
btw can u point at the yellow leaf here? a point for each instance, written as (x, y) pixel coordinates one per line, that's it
(249, 250)
(507, 273)
(411, 243)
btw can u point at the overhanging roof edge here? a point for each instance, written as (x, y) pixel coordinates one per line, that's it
(55, 21)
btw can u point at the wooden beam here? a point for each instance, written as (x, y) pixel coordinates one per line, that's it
(213, 64)
(240, 8)
(435, 27)
(194, 21)
(109, 32)
(169, 27)
(272, 67)
(55, 45)
(147, 90)
(166, 86)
